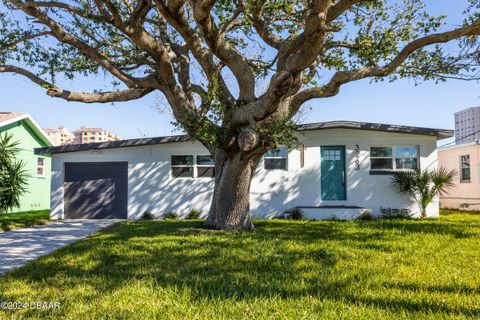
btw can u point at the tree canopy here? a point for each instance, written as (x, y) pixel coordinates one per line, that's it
(211, 59)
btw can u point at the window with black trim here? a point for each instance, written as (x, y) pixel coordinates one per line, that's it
(465, 173)
(276, 159)
(394, 158)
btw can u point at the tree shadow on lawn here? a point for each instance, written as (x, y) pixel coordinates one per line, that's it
(279, 259)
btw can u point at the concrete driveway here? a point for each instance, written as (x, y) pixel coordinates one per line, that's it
(18, 247)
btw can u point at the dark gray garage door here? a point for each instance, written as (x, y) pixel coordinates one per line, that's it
(96, 190)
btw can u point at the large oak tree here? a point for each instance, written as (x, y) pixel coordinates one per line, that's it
(234, 73)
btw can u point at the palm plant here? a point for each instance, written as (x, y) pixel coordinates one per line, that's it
(13, 176)
(423, 186)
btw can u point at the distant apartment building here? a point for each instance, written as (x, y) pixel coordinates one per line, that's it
(467, 125)
(92, 135)
(60, 136)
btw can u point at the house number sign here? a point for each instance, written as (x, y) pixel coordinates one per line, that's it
(357, 157)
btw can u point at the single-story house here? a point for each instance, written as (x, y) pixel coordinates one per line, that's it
(30, 136)
(465, 159)
(341, 167)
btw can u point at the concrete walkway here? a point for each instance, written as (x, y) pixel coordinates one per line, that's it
(18, 247)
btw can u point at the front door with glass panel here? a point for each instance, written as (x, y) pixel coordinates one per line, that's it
(333, 180)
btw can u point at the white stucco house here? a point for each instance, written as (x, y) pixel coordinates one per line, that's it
(341, 168)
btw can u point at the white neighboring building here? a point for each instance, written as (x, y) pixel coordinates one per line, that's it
(342, 168)
(467, 125)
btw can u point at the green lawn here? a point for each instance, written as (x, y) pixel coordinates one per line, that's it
(385, 269)
(12, 221)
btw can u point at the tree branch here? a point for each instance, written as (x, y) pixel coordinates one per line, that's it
(30, 75)
(223, 49)
(61, 35)
(174, 15)
(261, 27)
(85, 97)
(24, 38)
(342, 77)
(140, 12)
(102, 97)
(300, 52)
(340, 7)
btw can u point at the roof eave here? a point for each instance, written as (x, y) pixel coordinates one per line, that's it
(33, 125)
(438, 133)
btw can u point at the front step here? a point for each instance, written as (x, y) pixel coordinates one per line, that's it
(332, 212)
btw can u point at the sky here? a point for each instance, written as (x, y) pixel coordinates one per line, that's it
(427, 105)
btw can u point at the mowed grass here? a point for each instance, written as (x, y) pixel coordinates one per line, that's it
(385, 269)
(11, 221)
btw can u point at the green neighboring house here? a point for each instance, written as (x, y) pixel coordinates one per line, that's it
(30, 136)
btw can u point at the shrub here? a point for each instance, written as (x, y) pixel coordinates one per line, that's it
(333, 217)
(296, 214)
(365, 215)
(392, 213)
(194, 214)
(13, 175)
(170, 215)
(423, 186)
(147, 215)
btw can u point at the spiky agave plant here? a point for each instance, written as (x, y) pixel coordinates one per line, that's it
(423, 186)
(13, 176)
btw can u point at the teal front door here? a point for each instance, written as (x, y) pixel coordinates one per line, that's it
(332, 175)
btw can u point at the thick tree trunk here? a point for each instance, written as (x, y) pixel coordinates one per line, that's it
(230, 208)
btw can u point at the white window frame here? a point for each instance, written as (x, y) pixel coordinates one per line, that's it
(393, 157)
(266, 157)
(182, 165)
(469, 168)
(194, 165)
(43, 166)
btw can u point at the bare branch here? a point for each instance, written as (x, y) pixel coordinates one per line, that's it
(102, 97)
(30, 75)
(57, 4)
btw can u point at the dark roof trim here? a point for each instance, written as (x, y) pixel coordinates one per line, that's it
(113, 144)
(439, 133)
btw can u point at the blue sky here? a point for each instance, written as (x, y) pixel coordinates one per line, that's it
(428, 105)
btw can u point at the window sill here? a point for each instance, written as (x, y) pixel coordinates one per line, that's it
(466, 181)
(384, 172)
